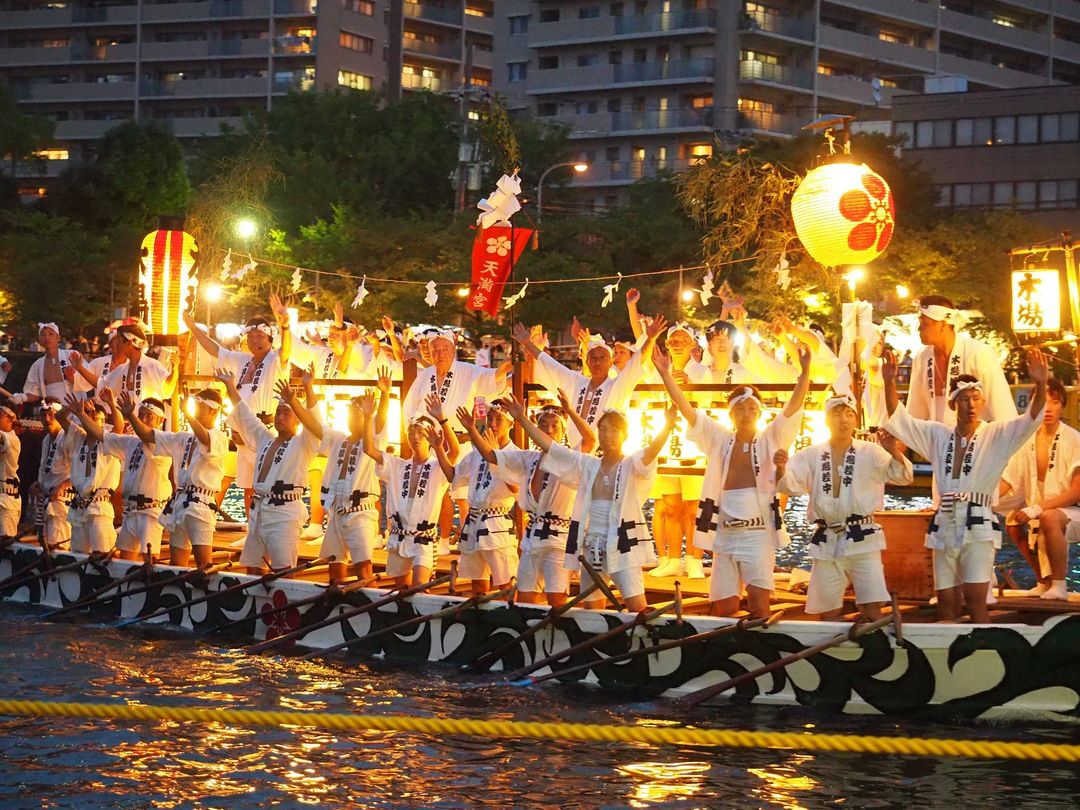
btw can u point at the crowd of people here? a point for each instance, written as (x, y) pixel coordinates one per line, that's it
(572, 498)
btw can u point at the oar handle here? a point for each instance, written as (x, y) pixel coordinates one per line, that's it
(601, 581)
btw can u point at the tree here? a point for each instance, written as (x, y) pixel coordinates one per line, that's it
(21, 134)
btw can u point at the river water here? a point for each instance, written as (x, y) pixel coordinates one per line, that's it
(68, 763)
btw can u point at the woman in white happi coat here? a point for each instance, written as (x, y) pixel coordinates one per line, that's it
(51, 375)
(967, 461)
(739, 513)
(95, 476)
(545, 499)
(1041, 489)
(845, 479)
(53, 483)
(415, 488)
(282, 458)
(10, 497)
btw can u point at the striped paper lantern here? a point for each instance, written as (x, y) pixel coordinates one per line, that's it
(844, 214)
(165, 275)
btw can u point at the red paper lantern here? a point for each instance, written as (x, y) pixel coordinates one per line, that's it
(166, 279)
(844, 214)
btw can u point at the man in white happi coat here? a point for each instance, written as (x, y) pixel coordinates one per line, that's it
(721, 367)
(198, 461)
(90, 373)
(10, 497)
(95, 476)
(257, 371)
(282, 459)
(1041, 489)
(945, 356)
(51, 375)
(739, 517)
(968, 461)
(53, 485)
(350, 488)
(845, 479)
(545, 499)
(140, 375)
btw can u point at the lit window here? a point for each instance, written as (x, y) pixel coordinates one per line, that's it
(1005, 21)
(889, 36)
(356, 81)
(355, 42)
(364, 7)
(472, 11)
(758, 56)
(754, 105)
(701, 102)
(51, 154)
(474, 115)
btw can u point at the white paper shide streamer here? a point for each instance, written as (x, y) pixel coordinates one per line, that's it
(510, 300)
(361, 294)
(432, 297)
(610, 290)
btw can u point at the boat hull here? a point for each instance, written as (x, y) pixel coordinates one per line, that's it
(938, 671)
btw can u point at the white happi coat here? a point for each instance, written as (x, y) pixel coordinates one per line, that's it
(488, 525)
(1063, 459)
(461, 385)
(969, 356)
(279, 496)
(10, 446)
(146, 476)
(148, 380)
(55, 465)
(35, 379)
(766, 367)
(100, 367)
(199, 472)
(844, 522)
(93, 472)
(717, 443)
(412, 521)
(983, 461)
(349, 483)
(611, 395)
(735, 374)
(629, 544)
(259, 393)
(549, 515)
(327, 363)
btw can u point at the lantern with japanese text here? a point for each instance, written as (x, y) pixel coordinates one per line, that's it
(1036, 300)
(844, 214)
(166, 279)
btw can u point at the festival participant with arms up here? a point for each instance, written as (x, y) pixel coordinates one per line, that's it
(198, 460)
(95, 475)
(350, 490)
(10, 497)
(722, 368)
(544, 497)
(141, 375)
(968, 461)
(1042, 484)
(739, 514)
(91, 372)
(414, 493)
(53, 485)
(51, 375)
(845, 478)
(278, 513)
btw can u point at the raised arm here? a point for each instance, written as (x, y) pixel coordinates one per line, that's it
(126, 405)
(367, 405)
(227, 379)
(435, 408)
(209, 345)
(652, 331)
(632, 298)
(663, 368)
(588, 435)
(169, 386)
(523, 336)
(798, 396)
(83, 369)
(391, 335)
(660, 439)
(310, 422)
(92, 429)
(436, 438)
(1038, 371)
(281, 315)
(115, 416)
(478, 441)
(888, 377)
(516, 409)
(383, 384)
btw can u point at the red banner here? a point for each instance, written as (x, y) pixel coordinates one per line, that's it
(491, 265)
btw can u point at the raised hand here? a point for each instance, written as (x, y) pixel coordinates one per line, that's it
(515, 407)
(126, 404)
(72, 403)
(76, 359)
(892, 445)
(632, 296)
(780, 458)
(575, 328)
(537, 336)
(804, 356)
(284, 390)
(661, 361)
(433, 434)
(564, 400)
(339, 313)
(1037, 367)
(107, 397)
(277, 306)
(225, 377)
(465, 416)
(383, 382)
(521, 333)
(888, 366)
(658, 325)
(671, 413)
(434, 407)
(366, 401)
(388, 324)
(307, 378)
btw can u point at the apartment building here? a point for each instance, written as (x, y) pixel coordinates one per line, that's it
(195, 66)
(648, 85)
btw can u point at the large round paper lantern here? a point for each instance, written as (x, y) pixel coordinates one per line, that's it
(166, 278)
(844, 214)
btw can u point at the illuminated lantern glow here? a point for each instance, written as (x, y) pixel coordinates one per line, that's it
(1036, 300)
(168, 259)
(844, 214)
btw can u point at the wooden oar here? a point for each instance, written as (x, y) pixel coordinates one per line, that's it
(601, 582)
(855, 632)
(263, 614)
(92, 597)
(393, 595)
(483, 663)
(94, 558)
(642, 618)
(265, 579)
(742, 624)
(473, 601)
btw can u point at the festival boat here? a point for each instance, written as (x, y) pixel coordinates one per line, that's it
(1025, 664)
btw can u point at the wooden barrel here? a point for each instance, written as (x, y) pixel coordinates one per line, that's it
(909, 565)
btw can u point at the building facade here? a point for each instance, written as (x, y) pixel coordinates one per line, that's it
(647, 85)
(193, 67)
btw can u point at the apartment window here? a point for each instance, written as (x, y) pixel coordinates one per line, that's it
(519, 24)
(701, 102)
(355, 42)
(961, 195)
(980, 194)
(640, 55)
(826, 70)
(588, 59)
(517, 71)
(615, 9)
(755, 105)
(51, 154)
(906, 130)
(547, 109)
(758, 56)
(586, 107)
(547, 62)
(1070, 126)
(1051, 128)
(480, 81)
(1027, 129)
(924, 134)
(588, 12)
(365, 7)
(614, 57)
(1007, 22)
(549, 15)
(356, 81)
(1003, 195)
(1004, 129)
(698, 152)
(473, 11)
(888, 83)
(893, 36)
(611, 154)
(1025, 195)
(944, 199)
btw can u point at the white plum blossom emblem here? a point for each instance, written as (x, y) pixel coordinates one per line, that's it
(499, 245)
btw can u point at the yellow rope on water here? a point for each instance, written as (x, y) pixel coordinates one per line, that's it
(662, 735)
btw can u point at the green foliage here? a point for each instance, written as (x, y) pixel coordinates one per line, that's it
(21, 133)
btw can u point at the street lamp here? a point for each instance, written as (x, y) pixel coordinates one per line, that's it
(577, 166)
(245, 228)
(902, 292)
(462, 292)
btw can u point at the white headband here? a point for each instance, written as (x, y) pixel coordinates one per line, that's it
(51, 406)
(936, 312)
(209, 403)
(157, 410)
(745, 394)
(597, 342)
(681, 326)
(835, 402)
(41, 327)
(964, 386)
(260, 327)
(445, 334)
(133, 339)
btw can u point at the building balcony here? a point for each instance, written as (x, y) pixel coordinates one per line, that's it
(200, 127)
(74, 92)
(414, 81)
(754, 71)
(206, 49)
(769, 123)
(988, 73)
(909, 11)
(777, 25)
(449, 51)
(1067, 50)
(205, 88)
(54, 19)
(626, 172)
(641, 72)
(435, 14)
(10, 57)
(479, 25)
(855, 90)
(39, 168)
(605, 124)
(632, 26)
(600, 77)
(863, 46)
(981, 28)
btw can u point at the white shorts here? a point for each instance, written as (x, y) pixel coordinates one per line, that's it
(9, 522)
(542, 571)
(829, 579)
(191, 530)
(279, 543)
(399, 566)
(749, 559)
(245, 467)
(91, 532)
(351, 537)
(501, 563)
(971, 563)
(629, 581)
(138, 529)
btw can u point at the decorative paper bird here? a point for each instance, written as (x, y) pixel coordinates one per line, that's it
(361, 293)
(509, 301)
(297, 280)
(610, 290)
(226, 266)
(501, 204)
(783, 276)
(706, 291)
(432, 297)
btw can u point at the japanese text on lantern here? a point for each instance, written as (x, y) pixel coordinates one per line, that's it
(1036, 301)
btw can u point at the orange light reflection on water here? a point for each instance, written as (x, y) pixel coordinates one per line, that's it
(783, 781)
(663, 781)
